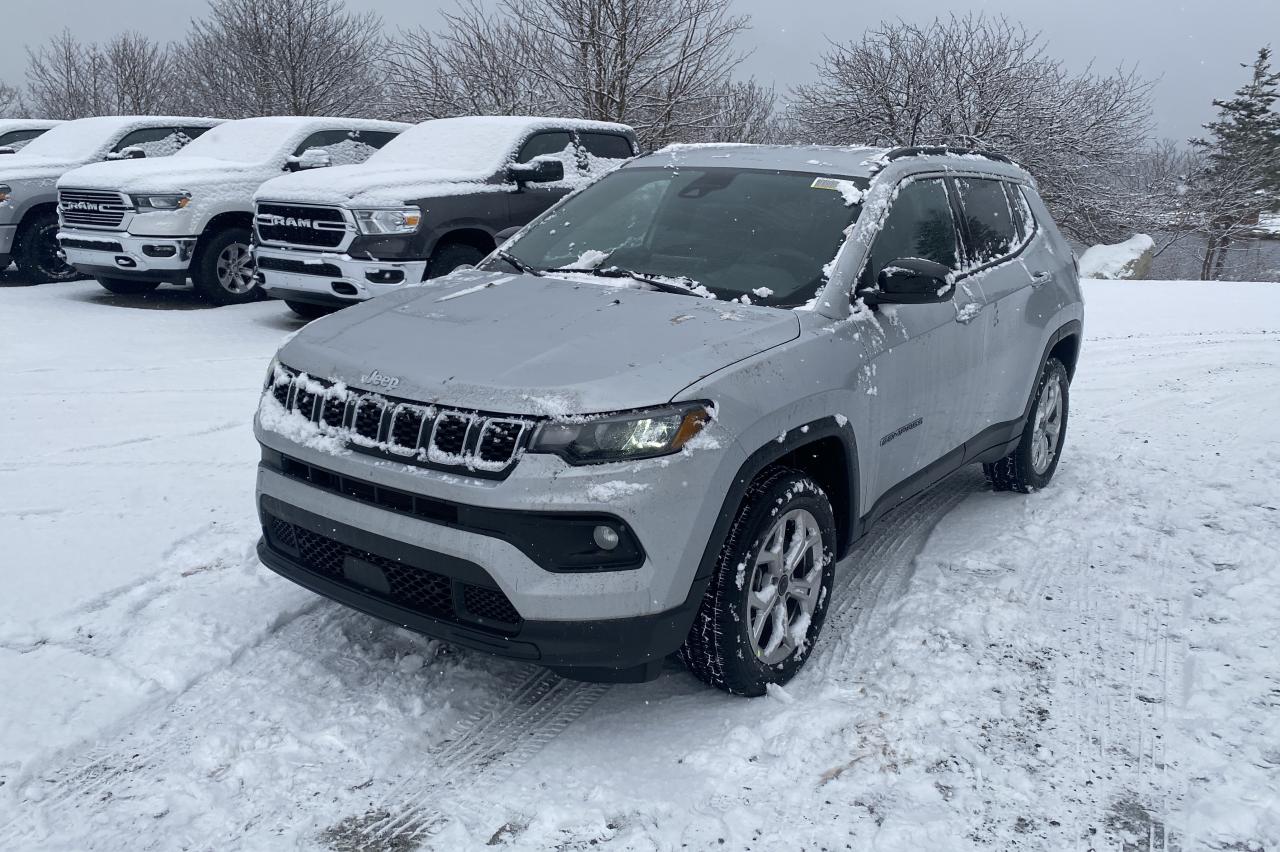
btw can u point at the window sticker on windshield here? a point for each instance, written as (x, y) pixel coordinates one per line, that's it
(852, 194)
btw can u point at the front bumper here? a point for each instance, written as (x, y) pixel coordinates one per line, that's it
(329, 278)
(604, 624)
(123, 255)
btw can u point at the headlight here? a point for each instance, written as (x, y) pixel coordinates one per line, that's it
(163, 201)
(623, 437)
(5, 192)
(397, 220)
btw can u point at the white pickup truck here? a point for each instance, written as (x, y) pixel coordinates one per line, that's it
(136, 225)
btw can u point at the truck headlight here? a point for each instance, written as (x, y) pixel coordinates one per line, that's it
(161, 201)
(623, 437)
(5, 192)
(395, 220)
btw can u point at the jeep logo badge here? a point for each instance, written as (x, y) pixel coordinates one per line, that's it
(381, 380)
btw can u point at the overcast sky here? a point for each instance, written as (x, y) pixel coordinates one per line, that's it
(1193, 48)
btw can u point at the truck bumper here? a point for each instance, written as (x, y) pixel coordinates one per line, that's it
(331, 279)
(122, 255)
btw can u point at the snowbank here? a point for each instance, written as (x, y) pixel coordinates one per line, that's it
(1129, 259)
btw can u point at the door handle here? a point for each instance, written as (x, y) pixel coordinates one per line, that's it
(1040, 278)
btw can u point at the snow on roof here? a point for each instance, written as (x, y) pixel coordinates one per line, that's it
(825, 159)
(8, 125)
(478, 145)
(89, 138)
(257, 140)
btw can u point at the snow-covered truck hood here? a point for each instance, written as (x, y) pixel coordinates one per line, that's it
(518, 344)
(165, 174)
(15, 167)
(371, 185)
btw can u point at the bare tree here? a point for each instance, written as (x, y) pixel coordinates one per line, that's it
(130, 74)
(978, 81)
(284, 57)
(474, 65)
(10, 101)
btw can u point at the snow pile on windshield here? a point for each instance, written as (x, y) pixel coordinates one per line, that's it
(475, 145)
(258, 140)
(1122, 260)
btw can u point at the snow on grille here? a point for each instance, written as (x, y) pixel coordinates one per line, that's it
(421, 433)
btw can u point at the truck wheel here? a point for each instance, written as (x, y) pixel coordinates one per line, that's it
(308, 310)
(767, 599)
(449, 257)
(128, 287)
(224, 271)
(37, 254)
(1032, 464)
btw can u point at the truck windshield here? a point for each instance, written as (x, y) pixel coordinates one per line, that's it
(762, 234)
(75, 141)
(249, 140)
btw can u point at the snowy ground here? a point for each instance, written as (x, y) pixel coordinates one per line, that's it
(1096, 666)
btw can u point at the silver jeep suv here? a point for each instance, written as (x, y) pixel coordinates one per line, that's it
(655, 419)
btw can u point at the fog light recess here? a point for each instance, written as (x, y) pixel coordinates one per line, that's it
(606, 538)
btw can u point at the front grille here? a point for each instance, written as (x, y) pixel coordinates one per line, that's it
(91, 245)
(445, 438)
(93, 208)
(413, 587)
(301, 225)
(299, 267)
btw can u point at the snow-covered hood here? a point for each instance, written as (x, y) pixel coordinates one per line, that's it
(164, 174)
(15, 167)
(519, 344)
(371, 185)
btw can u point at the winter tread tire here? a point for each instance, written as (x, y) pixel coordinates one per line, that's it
(1016, 472)
(306, 310)
(718, 648)
(204, 268)
(35, 252)
(450, 256)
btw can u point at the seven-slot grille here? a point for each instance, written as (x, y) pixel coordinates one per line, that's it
(301, 225)
(420, 434)
(93, 208)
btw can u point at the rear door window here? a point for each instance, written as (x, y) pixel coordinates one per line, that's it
(919, 225)
(988, 220)
(606, 146)
(542, 144)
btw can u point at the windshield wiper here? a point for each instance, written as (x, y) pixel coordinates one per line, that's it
(520, 265)
(665, 285)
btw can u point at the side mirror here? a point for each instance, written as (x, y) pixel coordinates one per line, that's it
(539, 170)
(911, 281)
(5, 149)
(506, 234)
(312, 158)
(133, 152)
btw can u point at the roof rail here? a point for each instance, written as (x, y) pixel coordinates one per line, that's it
(942, 151)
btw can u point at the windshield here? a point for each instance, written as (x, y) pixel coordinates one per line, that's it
(472, 144)
(765, 235)
(250, 140)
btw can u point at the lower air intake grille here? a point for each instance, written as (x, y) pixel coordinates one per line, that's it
(418, 589)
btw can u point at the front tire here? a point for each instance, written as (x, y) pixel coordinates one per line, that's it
(449, 257)
(128, 287)
(1032, 464)
(306, 310)
(768, 597)
(224, 272)
(37, 254)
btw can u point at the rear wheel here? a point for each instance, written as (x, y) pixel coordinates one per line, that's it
(1032, 464)
(224, 271)
(308, 310)
(128, 287)
(37, 254)
(449, 257)
(768, 597)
